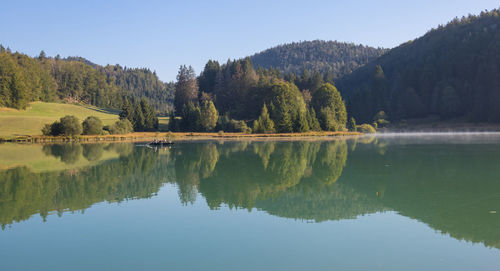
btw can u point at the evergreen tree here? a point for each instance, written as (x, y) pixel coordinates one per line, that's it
(208, 77)
(127, 110)
(287, 107)
(312, 120)
(186, 88)
(263, 124)
(327, 119)
(139, 120)
(191, 117)
(42, 55)
(150, 118)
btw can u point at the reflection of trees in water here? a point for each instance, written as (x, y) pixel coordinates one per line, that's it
(239, 175)
(93, 152)
(193, 162)
(69, 153)
(331, 202)
(24, 193)
(452, 188)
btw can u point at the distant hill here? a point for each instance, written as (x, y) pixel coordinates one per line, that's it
(451, 72)
(336, 58)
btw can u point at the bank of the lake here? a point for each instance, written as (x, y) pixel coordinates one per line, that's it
(145, 136)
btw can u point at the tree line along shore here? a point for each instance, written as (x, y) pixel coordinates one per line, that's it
(184, 136)
(450, 72)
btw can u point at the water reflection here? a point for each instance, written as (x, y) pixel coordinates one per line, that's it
(454, 188)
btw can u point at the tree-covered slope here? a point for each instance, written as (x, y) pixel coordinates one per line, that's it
(25, 79)
(452, 71)
(328, 57)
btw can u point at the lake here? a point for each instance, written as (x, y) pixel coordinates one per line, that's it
(373, 203)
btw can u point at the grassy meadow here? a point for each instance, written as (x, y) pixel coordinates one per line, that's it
(30, 121)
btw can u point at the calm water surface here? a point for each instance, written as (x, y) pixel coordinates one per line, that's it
(386, 203)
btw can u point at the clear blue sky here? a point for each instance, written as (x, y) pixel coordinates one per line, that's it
(162, 35)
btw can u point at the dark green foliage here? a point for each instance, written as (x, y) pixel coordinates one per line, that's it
(239, 90)
(190, 118)
(174, 124)
(331, 59)
(67, 126)
(123, 126)
(263, 124)
(139, 83)
(150, 118)
(227, 124)
(70, 126)
(24, 79)
(186, 88)
(449, 102)
(312, 120)
(141, 114)
(127, 110)
(287, 107)
(208, 78)
(351, 125)
(451, 71)
(235, 89)
(92, 126)
(326, 118)
(331, 110)
(81, 82)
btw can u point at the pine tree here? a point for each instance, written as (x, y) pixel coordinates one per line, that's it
(263, 124)
(127, 110)
(312, 120)
(139, 119)
(186, 88)
(191, 116)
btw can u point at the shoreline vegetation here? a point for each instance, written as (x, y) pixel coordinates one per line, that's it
(145, 136)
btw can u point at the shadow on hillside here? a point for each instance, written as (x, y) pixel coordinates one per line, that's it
(103, 110)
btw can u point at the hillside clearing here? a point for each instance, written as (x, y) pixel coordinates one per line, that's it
(30, 121)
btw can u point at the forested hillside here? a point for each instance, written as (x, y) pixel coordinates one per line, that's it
(451, 72)
(24, 79)
(332, 59)
(142, 82)
(262, 99)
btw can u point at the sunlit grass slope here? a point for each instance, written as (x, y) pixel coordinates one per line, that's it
(30, 121)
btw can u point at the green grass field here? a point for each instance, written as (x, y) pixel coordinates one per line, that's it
(30, 121)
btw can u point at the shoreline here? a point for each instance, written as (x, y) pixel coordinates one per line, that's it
(184, 136)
